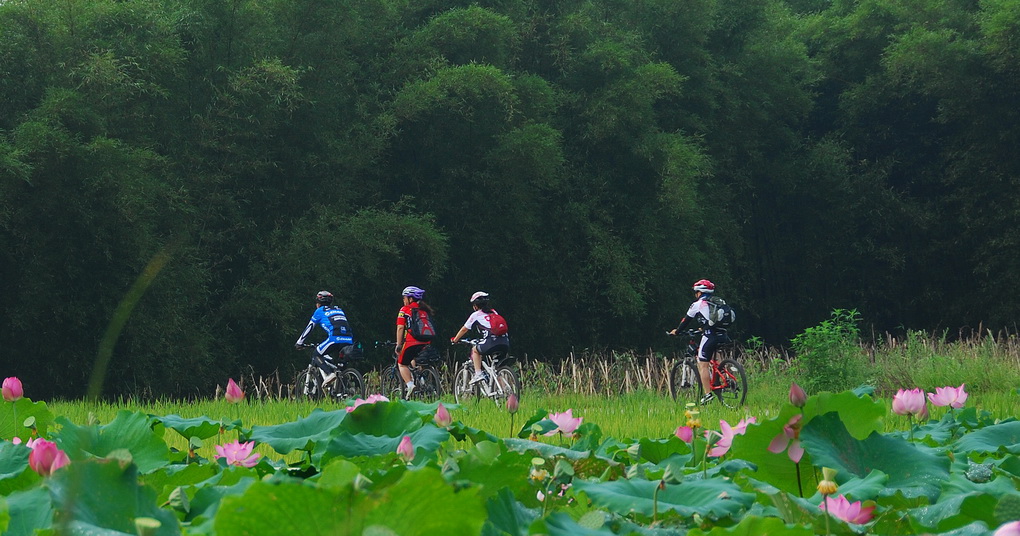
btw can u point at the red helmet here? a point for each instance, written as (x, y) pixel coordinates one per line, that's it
(705, 286)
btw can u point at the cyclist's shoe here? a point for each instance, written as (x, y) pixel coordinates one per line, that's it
(329, 377)
(707, 399)
(478, 377)
(410, 389)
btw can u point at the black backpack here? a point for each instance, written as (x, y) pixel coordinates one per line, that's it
(420, 325)
(720, 314)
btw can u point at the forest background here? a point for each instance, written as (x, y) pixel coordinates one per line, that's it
(214, 164)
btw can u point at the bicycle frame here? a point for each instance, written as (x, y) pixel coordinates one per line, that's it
(490, 387)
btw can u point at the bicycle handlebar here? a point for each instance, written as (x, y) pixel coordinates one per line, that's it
(689, 333)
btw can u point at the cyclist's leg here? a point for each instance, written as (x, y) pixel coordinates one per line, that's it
(705, 351)
(407, 358)
(325, 349)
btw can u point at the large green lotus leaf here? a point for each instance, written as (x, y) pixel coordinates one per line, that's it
(14, 471)
(991, 439)
(18, 411)
(207, 498)
(858, 489)
(656, 450)
(861, 416)
(1010, 464)
(94, 495)
(29, 510)
(389, 419)
(425, 440)
(460, 432)
(338, 474)
(961, 503)
(420, 503)
(130, 430)
(715, 498)
(913, 469)
(200, 427)
(506, 471)
(301, 434)
(508, 516)
(543, 449)
(165, 480)
(756, 526)
(561, 524)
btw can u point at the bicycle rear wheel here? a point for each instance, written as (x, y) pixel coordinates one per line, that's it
(509, 382)
(684, 382)
(428, 386)
(734, 384)
(463, 391)
(351, 384)
(308, 385)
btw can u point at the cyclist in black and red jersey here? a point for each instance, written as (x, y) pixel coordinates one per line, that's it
(712, 336)
(409, 347)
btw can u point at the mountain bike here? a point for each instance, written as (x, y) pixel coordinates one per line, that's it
(728, 379)
(329, 377)
(501, 380)
(427, 383)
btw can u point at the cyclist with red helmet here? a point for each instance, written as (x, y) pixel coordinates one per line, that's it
(332, 320)
(495, 338)
(712, 336)
(407, 346)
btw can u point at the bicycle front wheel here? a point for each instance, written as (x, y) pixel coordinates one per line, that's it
(392, 386)
(684, 382)
(734, 384)
(428, 386)
(308, 385)
(463, 391)
(507, 382)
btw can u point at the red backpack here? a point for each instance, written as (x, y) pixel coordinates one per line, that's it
(420, 325)
(497, 324)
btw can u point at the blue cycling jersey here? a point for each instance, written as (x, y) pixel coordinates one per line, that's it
(333, 321)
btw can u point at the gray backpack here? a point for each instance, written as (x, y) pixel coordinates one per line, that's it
(720, 314)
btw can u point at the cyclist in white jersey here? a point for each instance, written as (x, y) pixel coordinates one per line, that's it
(711, 336)
(482, 319)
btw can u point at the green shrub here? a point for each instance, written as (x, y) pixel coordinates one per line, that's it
(829, 357)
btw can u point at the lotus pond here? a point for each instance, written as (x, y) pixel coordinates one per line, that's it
(402, 467)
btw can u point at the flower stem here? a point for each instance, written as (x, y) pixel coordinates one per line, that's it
(800, 488)
(825, 501)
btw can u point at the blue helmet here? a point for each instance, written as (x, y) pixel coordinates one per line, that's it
(413, 292)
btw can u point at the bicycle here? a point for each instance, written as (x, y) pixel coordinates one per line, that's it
(315, 381)
(501, 380)
(427, 383)
(728, 379)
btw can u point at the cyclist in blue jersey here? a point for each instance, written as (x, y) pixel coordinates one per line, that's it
(333, 320)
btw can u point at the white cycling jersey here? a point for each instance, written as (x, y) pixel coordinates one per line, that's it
(481, 318)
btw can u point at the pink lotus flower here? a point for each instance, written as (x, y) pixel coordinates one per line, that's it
(908, 402)
(372, 399)
(1009, 529)
(405, 449)
(45, 456)
(238, 454)
(565, 422)
(442, 417)
(12, 389)
(722, 445)
(789, 438)
(943, 396)
(512, 404)
(234, 393)
(685, 433)
(851, 512)
(797, 395)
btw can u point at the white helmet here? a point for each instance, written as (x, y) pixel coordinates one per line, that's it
(479, 296)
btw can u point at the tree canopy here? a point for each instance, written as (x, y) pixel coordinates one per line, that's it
(584, 161)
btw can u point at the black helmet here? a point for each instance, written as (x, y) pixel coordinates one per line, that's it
(324, 297)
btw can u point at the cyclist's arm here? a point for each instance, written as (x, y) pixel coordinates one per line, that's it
(463, 331)
(308, 329)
